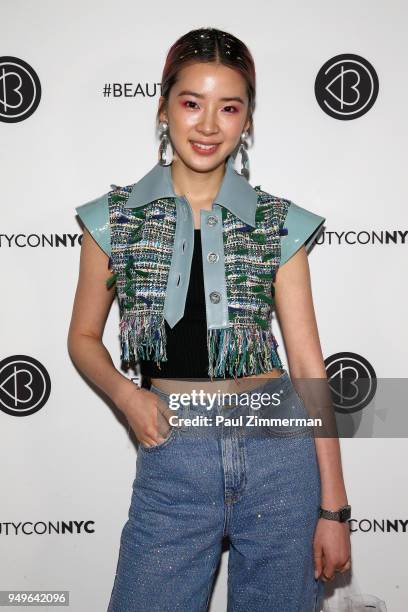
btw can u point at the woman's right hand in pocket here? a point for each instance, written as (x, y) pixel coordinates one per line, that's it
(147, 414)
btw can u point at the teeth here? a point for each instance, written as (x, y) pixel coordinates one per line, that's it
(201, 146)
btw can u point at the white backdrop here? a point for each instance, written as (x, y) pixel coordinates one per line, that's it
(72, 461)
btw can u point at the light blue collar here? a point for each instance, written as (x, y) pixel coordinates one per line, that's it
(235, 193)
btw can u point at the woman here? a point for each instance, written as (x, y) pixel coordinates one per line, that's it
(197, 255)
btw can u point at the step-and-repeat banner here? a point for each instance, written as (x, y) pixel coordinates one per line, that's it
(79, 89)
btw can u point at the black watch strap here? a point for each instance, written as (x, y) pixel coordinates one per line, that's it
(342, 514)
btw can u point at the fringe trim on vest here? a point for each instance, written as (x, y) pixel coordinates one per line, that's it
(143, 338)
(242, 351)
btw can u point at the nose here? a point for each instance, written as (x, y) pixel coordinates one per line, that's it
(208, 122)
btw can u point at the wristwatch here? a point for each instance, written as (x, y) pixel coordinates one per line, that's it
(342, 514)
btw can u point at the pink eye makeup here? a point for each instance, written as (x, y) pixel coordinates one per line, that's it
(189, 104)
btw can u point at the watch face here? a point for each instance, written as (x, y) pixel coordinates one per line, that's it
(345, 514)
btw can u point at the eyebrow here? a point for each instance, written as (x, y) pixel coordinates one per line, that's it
(187, 92)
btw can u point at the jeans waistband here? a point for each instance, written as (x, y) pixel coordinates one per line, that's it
(282, 383)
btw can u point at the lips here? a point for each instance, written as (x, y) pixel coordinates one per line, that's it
(200, 142)
(204, 148)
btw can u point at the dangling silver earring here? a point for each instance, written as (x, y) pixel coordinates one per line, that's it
(244, 155)
(164, 160)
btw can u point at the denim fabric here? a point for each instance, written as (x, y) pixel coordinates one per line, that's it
(260, 489)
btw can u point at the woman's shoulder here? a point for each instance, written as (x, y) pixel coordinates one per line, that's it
(299, 225)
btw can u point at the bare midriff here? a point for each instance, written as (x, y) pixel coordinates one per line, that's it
(233, 385)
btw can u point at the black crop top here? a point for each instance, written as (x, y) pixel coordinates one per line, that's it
(186, 346)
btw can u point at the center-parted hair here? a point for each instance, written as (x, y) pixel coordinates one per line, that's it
(209, 45)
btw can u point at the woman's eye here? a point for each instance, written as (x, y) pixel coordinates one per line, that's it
(193, 105)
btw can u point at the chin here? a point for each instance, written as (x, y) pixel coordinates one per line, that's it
(203, 163)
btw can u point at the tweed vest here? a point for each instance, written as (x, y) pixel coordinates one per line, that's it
(141, 251)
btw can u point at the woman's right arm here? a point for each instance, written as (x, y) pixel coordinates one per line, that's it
(92, 304)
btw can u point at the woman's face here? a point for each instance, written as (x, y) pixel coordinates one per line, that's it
(208, 104)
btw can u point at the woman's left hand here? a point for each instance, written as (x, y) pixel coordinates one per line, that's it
(331, 548)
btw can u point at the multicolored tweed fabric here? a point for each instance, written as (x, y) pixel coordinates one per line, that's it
(141, 251)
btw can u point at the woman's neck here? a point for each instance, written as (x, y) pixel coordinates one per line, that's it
(200, 188)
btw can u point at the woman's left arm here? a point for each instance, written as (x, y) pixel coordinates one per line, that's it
(295, 311)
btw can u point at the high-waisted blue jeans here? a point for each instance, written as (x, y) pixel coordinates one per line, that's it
(203, 483)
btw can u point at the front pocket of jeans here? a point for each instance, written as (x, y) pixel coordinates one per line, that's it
(170, 436)
(291, 408)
